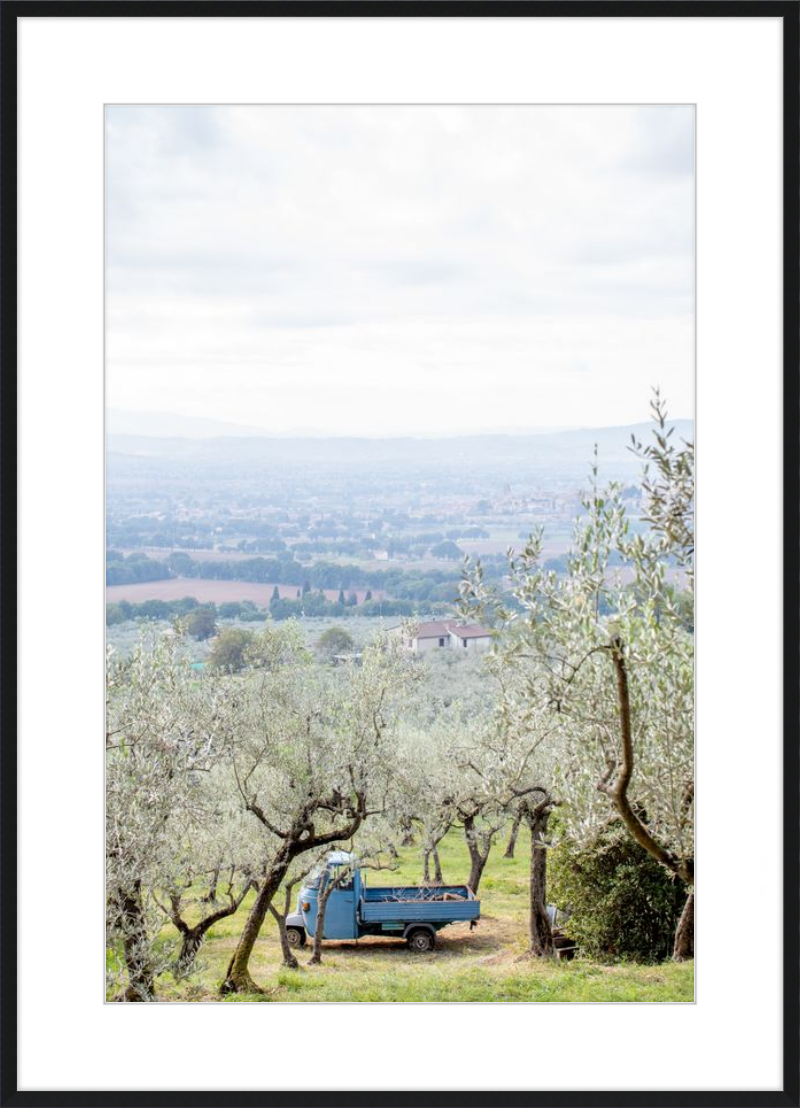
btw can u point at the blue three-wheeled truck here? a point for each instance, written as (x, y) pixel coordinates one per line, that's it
(411, 912)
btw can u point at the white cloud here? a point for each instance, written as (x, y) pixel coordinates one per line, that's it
(383, 270)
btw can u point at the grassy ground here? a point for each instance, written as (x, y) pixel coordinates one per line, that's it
(487, 964)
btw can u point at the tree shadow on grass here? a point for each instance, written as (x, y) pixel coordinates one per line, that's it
(455, 945)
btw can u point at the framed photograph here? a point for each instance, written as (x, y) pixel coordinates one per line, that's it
(399, 472)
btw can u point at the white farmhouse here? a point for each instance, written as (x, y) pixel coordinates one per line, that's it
(448, 635)
(469, 636)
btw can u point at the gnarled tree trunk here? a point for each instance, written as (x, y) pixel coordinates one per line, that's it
(437, 868)
(431, 853)
(136, 945)
(191, 941)
(211, 895)
(237, 977)
(683, 949)
(541, 932)
(319, 923)
(478, 844)
(300, 838)
(616, 789)
(512, 838)
(289, 959)
(192, 937)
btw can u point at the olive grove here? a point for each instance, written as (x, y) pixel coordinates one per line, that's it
(235, 782)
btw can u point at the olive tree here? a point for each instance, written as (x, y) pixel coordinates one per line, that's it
(605, 653)
(422, 789)
(217, 841)
(668, 485)
(527, 748)
(445, 781)
(311, 754)
(162, 732)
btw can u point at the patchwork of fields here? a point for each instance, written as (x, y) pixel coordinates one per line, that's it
(218, 592)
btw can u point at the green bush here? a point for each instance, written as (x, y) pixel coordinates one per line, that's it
(229, 650)
(201, 622)
(335, 641)
(624, 905)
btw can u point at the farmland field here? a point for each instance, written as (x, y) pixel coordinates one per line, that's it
(218, 592)
(209, 555)
(487, 964)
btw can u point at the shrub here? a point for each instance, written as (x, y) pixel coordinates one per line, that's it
(335, 641)
(229, 650)
(624, 905)
(201, 623)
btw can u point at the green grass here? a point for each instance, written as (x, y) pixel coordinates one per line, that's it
(487, 964)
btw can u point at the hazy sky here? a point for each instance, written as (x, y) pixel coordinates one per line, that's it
(400, 270)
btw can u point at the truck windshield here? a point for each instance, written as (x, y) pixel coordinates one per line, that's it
(342, 873)
(312, 881)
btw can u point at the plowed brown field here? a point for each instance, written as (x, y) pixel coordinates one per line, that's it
(217, 591)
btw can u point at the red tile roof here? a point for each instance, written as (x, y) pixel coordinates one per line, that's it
(463, 631)
(471, 631)
(433, 630)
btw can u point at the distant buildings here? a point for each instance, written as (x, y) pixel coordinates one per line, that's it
(354, 659)
(446, 635)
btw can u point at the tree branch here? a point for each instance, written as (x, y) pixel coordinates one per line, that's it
(617, 791)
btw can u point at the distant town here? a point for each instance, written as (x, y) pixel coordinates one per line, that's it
(340, 527)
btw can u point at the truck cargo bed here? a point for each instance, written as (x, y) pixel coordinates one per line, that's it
(409, 903)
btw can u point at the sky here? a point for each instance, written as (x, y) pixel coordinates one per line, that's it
(400, 270)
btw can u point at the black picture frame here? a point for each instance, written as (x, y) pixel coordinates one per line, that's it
(789, 1095)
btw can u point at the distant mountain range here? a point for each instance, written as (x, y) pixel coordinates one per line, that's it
(168, 425)
(567, 454)
(171, 426)
(612, 444)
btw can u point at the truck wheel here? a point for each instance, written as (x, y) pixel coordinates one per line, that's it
(295, 936)
(421, 940)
